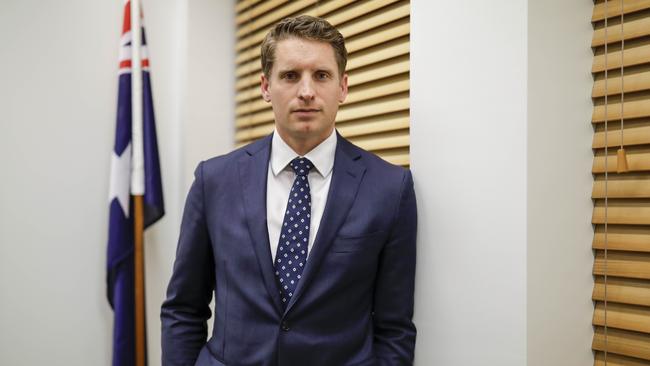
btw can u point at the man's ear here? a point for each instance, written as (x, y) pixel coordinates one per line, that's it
(264, 86)
(344, 88)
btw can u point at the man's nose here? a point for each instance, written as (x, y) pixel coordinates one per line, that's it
(306, 89)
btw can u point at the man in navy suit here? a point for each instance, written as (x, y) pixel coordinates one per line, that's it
(306, 241)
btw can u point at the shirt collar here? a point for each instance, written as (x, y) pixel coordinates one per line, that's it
(322, 156)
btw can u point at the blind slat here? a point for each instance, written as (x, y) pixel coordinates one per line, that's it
(632, 29)
(639, 135)
(638, 188)
(631, 109)
(633, 83)
(620, 237)
(623, 342)
(633, 56)
(617, 360)
(623, 264)
(620, 316)
(614, 8)
(622, 290)
(625, 212)
(636, 161)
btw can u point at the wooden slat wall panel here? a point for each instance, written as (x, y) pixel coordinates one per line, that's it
(375, 115)
(622, 202)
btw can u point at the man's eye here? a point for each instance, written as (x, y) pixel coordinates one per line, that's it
(322, 75)
(290, 76)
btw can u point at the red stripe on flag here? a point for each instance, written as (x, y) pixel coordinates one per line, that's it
(126, 24)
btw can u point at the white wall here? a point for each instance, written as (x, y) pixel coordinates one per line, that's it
(559, 183)
(468, 155)
(58, 101)
(501, 161)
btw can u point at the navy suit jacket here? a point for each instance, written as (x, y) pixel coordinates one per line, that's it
(354, 303)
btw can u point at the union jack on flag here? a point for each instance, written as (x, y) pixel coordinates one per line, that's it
(132, 173)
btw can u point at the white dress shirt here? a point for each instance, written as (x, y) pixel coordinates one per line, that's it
(280, 179)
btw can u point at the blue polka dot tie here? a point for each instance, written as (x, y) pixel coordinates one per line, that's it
(291, 256)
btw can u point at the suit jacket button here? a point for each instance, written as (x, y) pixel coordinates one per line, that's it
(285, 326)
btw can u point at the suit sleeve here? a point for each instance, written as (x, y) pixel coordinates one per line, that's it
(186, 309)
(394, 331)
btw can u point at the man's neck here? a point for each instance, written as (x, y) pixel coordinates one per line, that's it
(303, 146)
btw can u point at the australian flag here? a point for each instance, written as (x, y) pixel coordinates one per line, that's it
(120, 261)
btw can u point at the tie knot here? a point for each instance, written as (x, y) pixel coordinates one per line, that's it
(301, 166)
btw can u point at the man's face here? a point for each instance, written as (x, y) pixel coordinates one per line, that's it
(305, 89)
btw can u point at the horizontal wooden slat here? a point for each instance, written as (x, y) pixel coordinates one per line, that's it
(619, 237)
(383, 123)
(632, 83)
(623, 264)
(361, 8)
(617, 360)
(385, 69)
(632, 56)
(273, 16)
(244, 4)
(378, 89)
(256, 11)
(623, 342)
(625, 212)
(623, 186)
(622, 290)
(396, 156)
(378, 36)
(637, 135)
(383, 141)
(636, 161)
(631, 109)
(376, 107)
(252, 133)
(621, 316)
(244, 95)
(390, 14)
(631, 29)
(614, 8)
(379, 53)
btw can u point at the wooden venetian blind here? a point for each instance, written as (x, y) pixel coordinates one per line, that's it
(375, 115)
(621, 215)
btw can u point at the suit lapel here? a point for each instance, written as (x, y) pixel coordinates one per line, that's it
(346, 176)
(253, 170)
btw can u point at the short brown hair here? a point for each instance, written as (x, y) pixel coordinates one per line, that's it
(307, 27)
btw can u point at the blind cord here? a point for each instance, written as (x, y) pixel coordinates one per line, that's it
(606, 180)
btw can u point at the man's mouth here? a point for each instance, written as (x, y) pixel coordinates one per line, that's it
(306, 110)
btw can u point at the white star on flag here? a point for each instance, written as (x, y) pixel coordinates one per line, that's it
(120, 181)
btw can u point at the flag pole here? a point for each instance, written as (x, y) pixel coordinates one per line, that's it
(137, 182)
